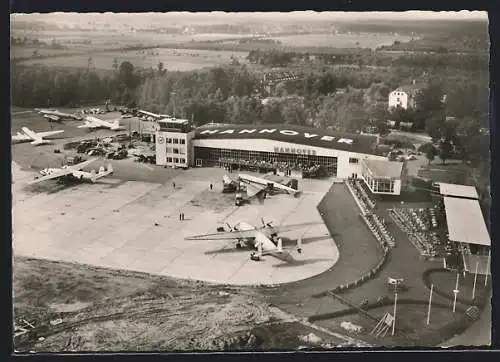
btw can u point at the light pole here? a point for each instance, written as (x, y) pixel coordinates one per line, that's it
(487, 269)
(475, 279)
(430, 303)
(395, 304)
(455, 293)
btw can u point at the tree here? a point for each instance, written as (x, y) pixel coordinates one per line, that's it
(115, 65)
(444, 150)
(430, 98)
(293, 112)
(430, 154)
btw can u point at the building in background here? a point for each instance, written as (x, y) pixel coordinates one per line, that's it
(282, 148)
(403, 97)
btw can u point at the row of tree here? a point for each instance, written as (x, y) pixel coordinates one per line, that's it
(367, 57)
(234, 95)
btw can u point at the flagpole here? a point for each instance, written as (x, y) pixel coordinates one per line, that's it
(430, 303)
(475, 279)
(394, 320)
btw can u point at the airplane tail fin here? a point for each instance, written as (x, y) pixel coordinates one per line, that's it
(280, 245)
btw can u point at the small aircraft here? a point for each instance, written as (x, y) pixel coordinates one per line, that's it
(73, 172)
(92, 122)
(264, 239)
(152, 116)
(36, 138)
(258, 184)
(53, 115)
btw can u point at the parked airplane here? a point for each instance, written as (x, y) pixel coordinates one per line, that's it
(56, 116)
(258, 184)
(264, 239)
(36, 138)
(92, 122)
(73, 172)
(152, 116)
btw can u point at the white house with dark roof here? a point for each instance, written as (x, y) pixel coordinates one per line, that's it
(403, 97)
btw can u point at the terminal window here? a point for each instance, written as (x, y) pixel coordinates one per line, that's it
(176, 141)
(176, 150)
(169, 159)
(169, 140)
(176, 160)
(183, 160)
(222, 157)
(353, 160)
(384, 186)
(183, 141)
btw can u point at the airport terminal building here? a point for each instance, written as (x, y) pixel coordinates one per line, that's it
(281, 147)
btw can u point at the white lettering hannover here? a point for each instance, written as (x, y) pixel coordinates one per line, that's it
(247, 131)
(285, 132)
(289, 133)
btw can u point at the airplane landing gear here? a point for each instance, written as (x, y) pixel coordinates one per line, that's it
(254, 257)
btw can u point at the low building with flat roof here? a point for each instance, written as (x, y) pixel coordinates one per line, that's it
(456, 190)
(384, 177)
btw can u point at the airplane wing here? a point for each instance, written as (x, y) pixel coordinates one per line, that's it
(30, 133)
(52, 117)
(60, 173)
(20, 137)
(92, 122)
(49, 133)
(285, 228)
(231, 235)
(281, 255)
(253, 189)
(81, 165)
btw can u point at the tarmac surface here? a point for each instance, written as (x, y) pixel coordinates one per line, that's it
(135, 225)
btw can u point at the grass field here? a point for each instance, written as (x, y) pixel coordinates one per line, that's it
(122, 38)
(173, 59)
(366, 40)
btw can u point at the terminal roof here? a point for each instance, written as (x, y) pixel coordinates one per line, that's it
(299, 135)
(458, 190)
(384, 169)
(465, 221)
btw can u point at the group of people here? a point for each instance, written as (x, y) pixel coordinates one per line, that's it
(365, 200)
(255, 164)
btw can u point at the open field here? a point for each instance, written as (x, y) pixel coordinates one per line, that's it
(173, 59)
(363, 40)
(26, 52)
(104, 310)
(112, 38)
